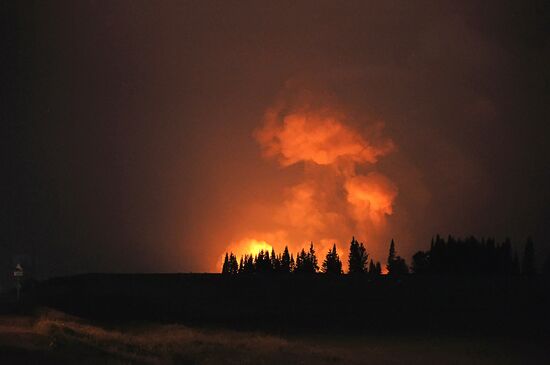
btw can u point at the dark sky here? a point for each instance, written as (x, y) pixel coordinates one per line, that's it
(128, 127)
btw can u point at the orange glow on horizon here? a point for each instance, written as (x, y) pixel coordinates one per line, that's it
(246, 247)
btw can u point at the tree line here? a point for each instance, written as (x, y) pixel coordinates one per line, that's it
(451, 256)
(306, 262)
(476, 256)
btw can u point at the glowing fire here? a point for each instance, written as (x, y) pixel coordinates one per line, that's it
(246, 247)
(333, 201)
(254, 246)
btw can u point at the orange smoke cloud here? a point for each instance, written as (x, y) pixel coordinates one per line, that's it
(332, 202)
(371, 197)
(317, 136)
(300, 208)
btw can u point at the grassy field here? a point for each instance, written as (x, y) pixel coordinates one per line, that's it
(54, 338)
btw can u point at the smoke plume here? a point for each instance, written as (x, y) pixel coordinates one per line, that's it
(341, 193)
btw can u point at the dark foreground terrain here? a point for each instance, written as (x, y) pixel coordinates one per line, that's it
(213, 319)
(302, 302)
(54, 338)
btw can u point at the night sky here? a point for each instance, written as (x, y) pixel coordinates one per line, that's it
(136, 135)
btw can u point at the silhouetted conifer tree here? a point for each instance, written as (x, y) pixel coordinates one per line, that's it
(312, 259)
(277, 265)
(420, 264)
(332, 264)
(306, 263)
(391, 255)
(263, 262)
(301, 258)
(241, 266)
(225, 266)
(469, 256)
(528, 265)
(233, 266)
(358, 257)
(372, 268)
(378, 268)
(275, 262)
(285, 266)
(248, 264)
(401, 267)
(251, 265)
(396, 264)
(292, 263)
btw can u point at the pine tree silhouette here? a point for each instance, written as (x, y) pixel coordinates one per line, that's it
(396, 264)
(306, 263)
(225, 266)
(332, 264)
(285, 266)
(420, 264)
(248, 264)
(402, 267)
(358, 257)
(275, 262)
(372, 268)
(263, 263)
(469, 256)
(378, 268)
(301, 259)
(233, 266)
(391, 255)
(314, 266)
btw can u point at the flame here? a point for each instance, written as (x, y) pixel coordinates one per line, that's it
(254, 246)
(246, 246)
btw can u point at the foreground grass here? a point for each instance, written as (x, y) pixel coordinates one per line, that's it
(55, 338)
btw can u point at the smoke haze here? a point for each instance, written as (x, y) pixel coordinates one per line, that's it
(145, 136)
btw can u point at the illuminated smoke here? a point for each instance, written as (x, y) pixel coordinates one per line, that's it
(333, 201)
(316, 136)
(371, 197)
